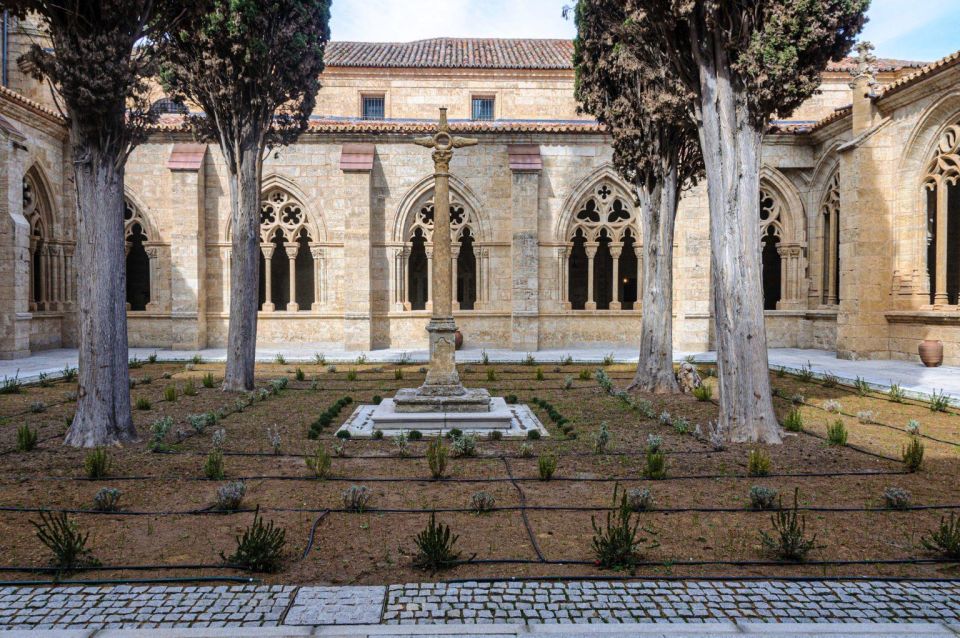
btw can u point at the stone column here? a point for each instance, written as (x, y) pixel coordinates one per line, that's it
(153, 255)
(70, 274)
(32, 304)
(319, 266)
(615, 251)
(481, 255)
(834, 231)
(591, 248)
(356, 162)
(48, 277)
(188, 248)
(14, 248)
(293, 249)
(454, 264)
(267, 250)
(428, 306)
(563, 277)
(525, 168)
(638, 252)
(940, 297)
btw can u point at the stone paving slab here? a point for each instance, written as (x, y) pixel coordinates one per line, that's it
(336, 606)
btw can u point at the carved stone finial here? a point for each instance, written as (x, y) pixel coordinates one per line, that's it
(866, 62)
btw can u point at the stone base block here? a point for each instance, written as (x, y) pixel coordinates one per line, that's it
(415, 400)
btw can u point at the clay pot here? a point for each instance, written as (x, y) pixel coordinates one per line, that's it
(458, 339)
(931, 352)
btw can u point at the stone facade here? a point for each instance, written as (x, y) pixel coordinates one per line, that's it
(546, 246)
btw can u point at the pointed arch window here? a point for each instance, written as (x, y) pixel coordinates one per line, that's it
(51, 258)
(941, 185)
(830, 220)
(782, 253)
(141, 260)
(601, 262)
(291, 261)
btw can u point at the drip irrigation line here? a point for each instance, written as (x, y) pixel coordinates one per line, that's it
(96, 582)
(108, 568)
(855, 448)
(409, 479)
(313, 531)
(706, 578)
(722, 563)
(523, 510)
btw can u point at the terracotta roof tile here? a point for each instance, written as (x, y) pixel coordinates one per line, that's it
(31, 105)
(453, 53)
(931, 69)
(884, 65)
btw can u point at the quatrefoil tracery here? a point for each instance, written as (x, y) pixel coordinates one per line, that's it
(604, 213)
(460, 220)
(279, 212)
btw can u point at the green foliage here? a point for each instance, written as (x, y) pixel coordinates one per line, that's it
(356, 498)
(547, 466)
(107, 499)
(585, 375)
(601, 438)
(912, 454)
(152, 358)
(789, 540)
(208, 380)
(793, 422)
(837, 433)
(896, 498)
(604, 380)
(351, 375)
(279, 359)
(615, 544)
(464, 445)
(511, 399)
(259, 548)
(158, 432)
(196, 359)
(491, 375)
(762, 498)
(62, 536)
(861, 386)
(939, 401)
(482, 502)
(896, 393)
(230, 496)
(299, 374)
(415, 435)
(830, 380)
(189, 388)
(435, 547)
(343, 434)
(540, 376)
(134, 363)
(640, 499)
(11, 385)
(437, 454)
(398, 374)
(758, 463)
(656, 465)
(26, 438)
(170, 393)
(608, 359)
(319, 358)
(529, 360)
(703, 392)
(945, 540)
(213, 467)
(69, 374)
(97, 464)
(806, 373)
(143, 403)
(533, 435)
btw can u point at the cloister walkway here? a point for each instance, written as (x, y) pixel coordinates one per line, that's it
(915, 379)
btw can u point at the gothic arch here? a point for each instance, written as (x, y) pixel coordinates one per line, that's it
(410, 207)
(140, 239)
(782, 235)
(828, 224)
(566, 222)
(792, 218)
(316, 223)
(142, 213)
(49, 256)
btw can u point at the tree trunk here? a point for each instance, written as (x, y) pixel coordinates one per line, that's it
(244, 271)
(657, 219)
(103, 414)
(731, 151)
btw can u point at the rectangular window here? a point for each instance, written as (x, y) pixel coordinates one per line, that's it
(482, 108)
(373, 107)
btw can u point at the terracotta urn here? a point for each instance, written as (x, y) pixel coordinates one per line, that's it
(931, 352)
(458, 339)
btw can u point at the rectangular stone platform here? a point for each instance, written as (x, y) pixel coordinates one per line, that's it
(512, 421)
(414, 400)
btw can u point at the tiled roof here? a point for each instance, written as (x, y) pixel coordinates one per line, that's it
(931, 69)
(453, 53)
(883, 65)
(31, 105)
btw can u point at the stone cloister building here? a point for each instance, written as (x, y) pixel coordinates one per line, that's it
(859, 224)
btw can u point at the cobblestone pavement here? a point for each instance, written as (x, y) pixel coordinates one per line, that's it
(502, 603)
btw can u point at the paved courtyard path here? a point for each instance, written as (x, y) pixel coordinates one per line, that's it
(768, 607)
(914, 378)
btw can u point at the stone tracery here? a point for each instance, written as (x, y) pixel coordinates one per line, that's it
(292, 264)
(782, 252)
(830, 217)
(941, 183)
(51, 258)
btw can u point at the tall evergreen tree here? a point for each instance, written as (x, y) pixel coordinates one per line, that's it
(97, 66)
(253, 67)
(629, 87)
(744, 62)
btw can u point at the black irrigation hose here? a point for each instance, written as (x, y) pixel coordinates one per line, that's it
(523, 510)
(313, 531)
(855, 448)
(96, 582)
(408, 479)
(724, 563)
(707, 578)
(109, 568)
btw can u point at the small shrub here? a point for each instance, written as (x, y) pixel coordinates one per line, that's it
(640, 499)
(912, 454)
(837, 433)
(158, 432)
(63, 537)
(377, 435)
(319, 358)
(415, 435)
(356, 498)
(26, 438)
(230, 496)
(11, 385)
(511, 399)
(166, 375)
(332, 369)
(319, 462)
(299, 374)
(69, 374)
(200, 422)
(540, 376)
(861, 386)
(762, 498)
(681, 425)
(496, 435)
(601, 438)
(482, 502)
(435, 547)
(218, 438)
(913, 427)
(97, 463)
(704, 392)
(758, 463)
(798, 399)
(484, 357)
(615, 544)
(343, 434)
(525, 451)
(273, 438)
(656, 468)
(207, 380)
(352, 375)
(44, 379)
(213, 466)
(793, 422)
(464, 445)
(398, 374)
(454, 433)
(529, 360)
(654, 443)
(832, 406)
(143, 403)
(604, 380)
(38, 406)
(806, 373)
(896, 498)
(865, 416)
(340, 450)
(491, 375)
(567, 382)
(830, 380)
(585, 375)
(608, 359)
(280, 359)
(377, 399)
(400, 444)
(789, 541)
(945, 540)
(664, 418)
(896, 393)
(107, 499)
(170, 393)
(196, 359)
(546, 466)
(437, 458)
(939, 401)
(361, 359)
(260, 548)
(189, 389)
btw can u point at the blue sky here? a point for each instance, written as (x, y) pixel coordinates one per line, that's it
(906, 29)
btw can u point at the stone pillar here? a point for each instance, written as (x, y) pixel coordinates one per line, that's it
(319, 272)
(940, 297)
(563, 277)
(292, 250)
(525, 168)
(356, 162)
(14, 247)
(615, 251)
(188, 248)
(153, 254)
(638, 253)
(454, 264)
(834, 231)
(267, 250)
(591, 248)
(70, 287)
(428, 306)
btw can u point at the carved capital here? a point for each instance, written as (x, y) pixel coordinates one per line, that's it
(267, 250)
(292, 250)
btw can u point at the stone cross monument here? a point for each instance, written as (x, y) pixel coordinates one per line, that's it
(441, 390)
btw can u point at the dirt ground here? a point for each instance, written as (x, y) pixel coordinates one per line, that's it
(701, 524)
